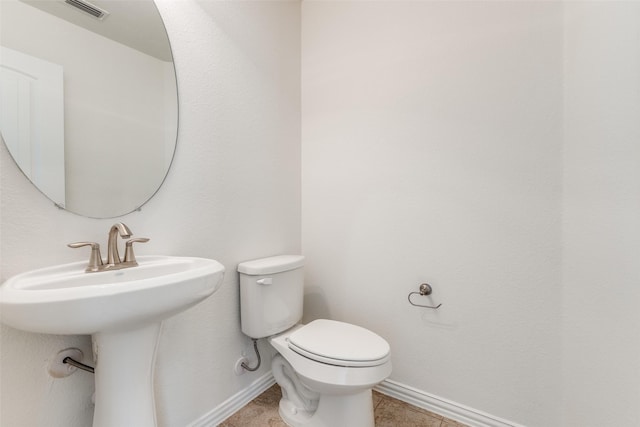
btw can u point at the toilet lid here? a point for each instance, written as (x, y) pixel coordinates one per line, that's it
(338, 343)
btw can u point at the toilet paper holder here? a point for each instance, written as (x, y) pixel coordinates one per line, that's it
(424, 290)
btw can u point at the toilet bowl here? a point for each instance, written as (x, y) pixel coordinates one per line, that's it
(334, 391)
(326, 369)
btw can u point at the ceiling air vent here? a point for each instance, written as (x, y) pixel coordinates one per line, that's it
(89, 8)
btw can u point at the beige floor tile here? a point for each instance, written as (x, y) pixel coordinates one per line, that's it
(260, 412)
(377, 398)
(389, 412)
(270, 397)
(394, 413)
(446, 422)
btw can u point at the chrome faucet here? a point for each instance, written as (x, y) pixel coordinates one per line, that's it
(113, 257)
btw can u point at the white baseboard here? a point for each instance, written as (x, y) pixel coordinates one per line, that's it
(235, 402)
(455, 411)
(452, 410)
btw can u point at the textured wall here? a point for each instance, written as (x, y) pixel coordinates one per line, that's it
(232, 194)
(432, 150)
(601, 381)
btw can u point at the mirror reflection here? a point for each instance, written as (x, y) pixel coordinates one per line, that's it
(88, 100)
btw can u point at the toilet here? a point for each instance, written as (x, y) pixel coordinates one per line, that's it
(326, 369)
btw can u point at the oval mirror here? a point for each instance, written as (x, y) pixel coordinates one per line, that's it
(88, 100)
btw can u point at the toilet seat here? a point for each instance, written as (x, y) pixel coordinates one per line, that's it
(340, 344)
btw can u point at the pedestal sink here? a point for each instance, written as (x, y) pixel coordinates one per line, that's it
(122, 310)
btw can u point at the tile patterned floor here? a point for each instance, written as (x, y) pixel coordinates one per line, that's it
(389, 412)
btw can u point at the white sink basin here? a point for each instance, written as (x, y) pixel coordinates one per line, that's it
(66, 300)
(122, 310)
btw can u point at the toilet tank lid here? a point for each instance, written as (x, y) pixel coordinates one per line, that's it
(271, 265)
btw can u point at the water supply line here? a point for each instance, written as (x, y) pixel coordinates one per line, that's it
(73, 362)
(255, 348)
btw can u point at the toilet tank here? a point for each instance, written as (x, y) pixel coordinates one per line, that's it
(271, 294)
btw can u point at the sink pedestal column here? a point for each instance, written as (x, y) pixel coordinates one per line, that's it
(124, 368)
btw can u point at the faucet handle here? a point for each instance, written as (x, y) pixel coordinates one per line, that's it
(95, 259)
(129, 257)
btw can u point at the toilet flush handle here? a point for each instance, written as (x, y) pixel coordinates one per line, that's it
(265, 281)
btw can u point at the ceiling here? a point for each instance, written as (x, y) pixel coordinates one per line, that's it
(134, 23)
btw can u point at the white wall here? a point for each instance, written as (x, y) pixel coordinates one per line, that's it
(489, 148)
(233, 194)
(601, 358)
(432, 150)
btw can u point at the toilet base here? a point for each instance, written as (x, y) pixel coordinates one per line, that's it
(333, 411)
